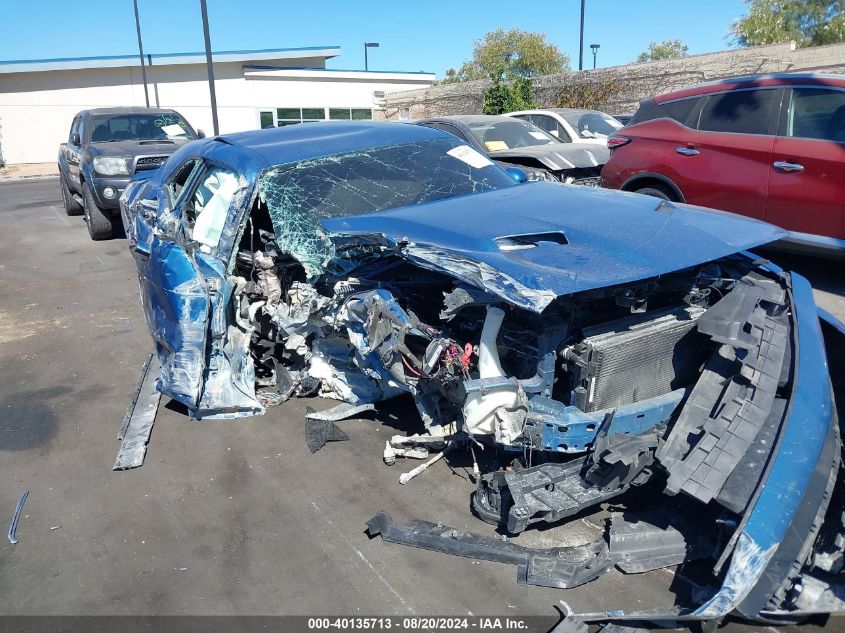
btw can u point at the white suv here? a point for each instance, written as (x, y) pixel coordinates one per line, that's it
(572, 125)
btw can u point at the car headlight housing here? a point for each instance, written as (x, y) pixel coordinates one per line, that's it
(110, 166)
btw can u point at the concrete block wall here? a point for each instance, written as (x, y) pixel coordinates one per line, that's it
(640, 81)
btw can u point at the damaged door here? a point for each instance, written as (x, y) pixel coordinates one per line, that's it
(211, 216)
(182, 241)
(173, 291)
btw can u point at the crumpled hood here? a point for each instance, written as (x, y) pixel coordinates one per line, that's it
(593, 238)
(560, 156)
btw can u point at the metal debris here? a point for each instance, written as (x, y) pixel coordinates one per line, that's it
(138, 422)
(319, 432)
(13, 527)
(561, 567)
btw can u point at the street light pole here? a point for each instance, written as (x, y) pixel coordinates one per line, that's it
(366, 46)
(141, 54)
(210, 66)
(581, 41)
(595, 48)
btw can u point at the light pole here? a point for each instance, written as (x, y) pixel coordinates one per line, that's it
(581, 40)
(595, 48)
(210, 66)
(141, 54)
(366, 46)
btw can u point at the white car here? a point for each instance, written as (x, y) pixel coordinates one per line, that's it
(572, 125)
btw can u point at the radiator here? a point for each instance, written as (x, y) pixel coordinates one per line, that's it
(636, 357)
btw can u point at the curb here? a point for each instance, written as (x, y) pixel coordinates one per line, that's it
(5, 179)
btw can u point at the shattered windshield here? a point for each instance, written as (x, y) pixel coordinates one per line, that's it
(299, 195)
(505, 135)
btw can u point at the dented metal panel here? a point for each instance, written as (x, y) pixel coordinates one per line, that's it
(613, 237)
(562, 330)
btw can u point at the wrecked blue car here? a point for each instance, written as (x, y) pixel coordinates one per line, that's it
(597, 343)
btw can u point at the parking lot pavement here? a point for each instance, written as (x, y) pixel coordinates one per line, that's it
(231, 517)
(825, 275)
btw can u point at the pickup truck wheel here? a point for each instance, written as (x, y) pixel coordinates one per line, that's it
(72, 207)
(100, 225)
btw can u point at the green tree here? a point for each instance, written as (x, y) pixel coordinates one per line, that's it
(512, 53)
(808, 22)
(667, 49)
(450, 77)
(504, 96)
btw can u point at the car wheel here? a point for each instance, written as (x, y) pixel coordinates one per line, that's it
(100, 224)
(658, 191)
(72, 207)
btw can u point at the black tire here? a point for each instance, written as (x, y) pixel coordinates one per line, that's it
(100, 224)
(658, 191)
(72, 207)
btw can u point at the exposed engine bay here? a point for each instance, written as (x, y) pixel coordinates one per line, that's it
(680, 382)
(590, 348)
(474, 363)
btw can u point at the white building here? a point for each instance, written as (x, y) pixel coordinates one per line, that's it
(255, 89)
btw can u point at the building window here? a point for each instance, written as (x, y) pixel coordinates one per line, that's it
(291, 116)
(350, 114)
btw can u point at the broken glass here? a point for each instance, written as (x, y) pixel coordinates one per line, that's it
(299, 195)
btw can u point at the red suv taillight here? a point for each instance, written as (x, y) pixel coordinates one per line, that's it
(617, 140)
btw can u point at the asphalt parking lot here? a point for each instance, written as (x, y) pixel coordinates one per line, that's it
(232, 517)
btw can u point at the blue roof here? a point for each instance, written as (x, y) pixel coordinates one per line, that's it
(277, 146)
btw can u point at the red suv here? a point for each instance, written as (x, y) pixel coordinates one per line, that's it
(771, 147)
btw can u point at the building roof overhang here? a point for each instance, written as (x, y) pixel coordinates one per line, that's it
(167, 59)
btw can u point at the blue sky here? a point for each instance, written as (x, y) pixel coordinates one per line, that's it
(430, 36)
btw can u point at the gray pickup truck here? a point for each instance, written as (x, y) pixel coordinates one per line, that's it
(105, 148)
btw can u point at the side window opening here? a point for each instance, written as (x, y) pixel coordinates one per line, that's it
(738, 111)
(817, 113)
(179, 179)
(562, 134)
(678, 110)
(74, 129)
(206, 210)
(551, 126)
(451, 129)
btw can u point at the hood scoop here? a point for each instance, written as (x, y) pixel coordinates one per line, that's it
(530, 240)
(157, 142)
